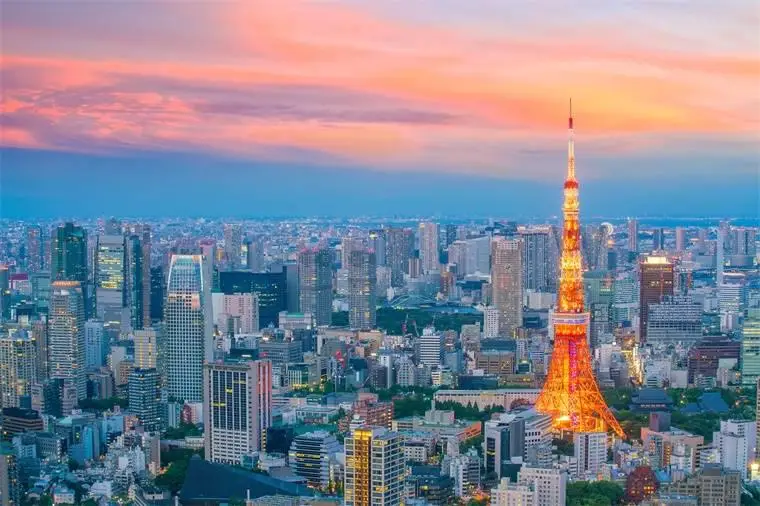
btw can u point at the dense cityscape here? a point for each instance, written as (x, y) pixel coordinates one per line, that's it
(380, 361)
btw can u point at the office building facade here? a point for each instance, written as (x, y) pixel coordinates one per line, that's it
(188, 327)
(237, 408)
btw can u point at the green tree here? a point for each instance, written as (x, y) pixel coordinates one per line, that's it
(598, 493)
(183, 430)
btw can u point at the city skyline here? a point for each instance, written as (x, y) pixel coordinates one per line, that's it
(330, 97)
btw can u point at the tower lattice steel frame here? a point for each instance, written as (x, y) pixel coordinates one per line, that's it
(570, 394)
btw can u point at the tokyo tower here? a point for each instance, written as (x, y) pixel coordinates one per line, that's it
(570, 394)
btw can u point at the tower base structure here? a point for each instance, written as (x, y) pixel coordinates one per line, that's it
(570, 394)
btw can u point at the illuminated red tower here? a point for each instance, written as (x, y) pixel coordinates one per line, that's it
(570, 394)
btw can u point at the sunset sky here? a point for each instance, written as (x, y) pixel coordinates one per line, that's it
(447, 106)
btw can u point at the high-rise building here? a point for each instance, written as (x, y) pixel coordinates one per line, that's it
(5, 292)
(732, 293)
(147, 345)
(658, 239)
(237, 408)
(35, 249)
(570, 394)
(590, 453)
(254, 255)
(18, 367)
(513, 494)
(145, 397)
(188, 327)
(310, 456)
(66, 336)
(536, 259)
(750, 348)
(430, 345)
(236, 313)
(506, 283)
(271, 288)
(503, 441)
(674, 318)
(374, 474)
(233, 237)
(110, 257)
(157, 289)
(376, 242)
(599, 293)
(490, 322)
(737, 443)
(347, 246)
(10, 483)
(399, 243)
(633, 236)
(95, 344)
(138, 276)
(292, 288)
(656, 281)
(757, 417)
(712, 485)
(680, 239)
(315, 287)
(69, 254)
(429, 257)
(362, 291)
(550, 484)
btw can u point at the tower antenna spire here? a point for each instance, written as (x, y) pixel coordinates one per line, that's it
(570, 122)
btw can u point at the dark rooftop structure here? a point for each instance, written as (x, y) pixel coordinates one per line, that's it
(708, 402)
(207, 483)
(647, 400)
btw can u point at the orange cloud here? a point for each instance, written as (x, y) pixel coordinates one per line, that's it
(340, 81)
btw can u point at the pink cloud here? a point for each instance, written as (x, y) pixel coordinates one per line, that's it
(359, 88)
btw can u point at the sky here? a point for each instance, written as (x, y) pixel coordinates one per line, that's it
(357, 107)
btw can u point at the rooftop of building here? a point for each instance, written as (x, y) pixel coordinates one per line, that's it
(27, 414)
(206, 481)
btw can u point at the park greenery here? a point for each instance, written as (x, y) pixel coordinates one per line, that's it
(469, 412)
(410, 405)
(597, 493)
(176, 462)
(182, 431)
(392, 320)
(740, 401)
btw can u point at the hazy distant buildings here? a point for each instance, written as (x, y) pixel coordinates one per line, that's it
(35, 249)
(233, 237)
(188, 327)
(254, 254)
(315, 287)
(399, 244)
(362, 292)
(428, 235)
(506, 283)
(633, 236)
